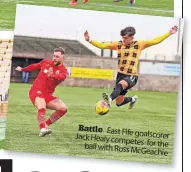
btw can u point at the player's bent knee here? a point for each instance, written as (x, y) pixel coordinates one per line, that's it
(124, 84)
(63, 109)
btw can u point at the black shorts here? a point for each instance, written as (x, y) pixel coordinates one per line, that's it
(130, 79)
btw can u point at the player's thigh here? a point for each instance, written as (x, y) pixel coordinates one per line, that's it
(40, 103)
(124, 84)
(130, 80)
(37, 98)
(119, 99)
(120, 79)
(56, 104)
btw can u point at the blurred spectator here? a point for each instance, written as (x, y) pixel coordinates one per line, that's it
(131, 2)
(1, 97)
(25, 75)
(6, 96)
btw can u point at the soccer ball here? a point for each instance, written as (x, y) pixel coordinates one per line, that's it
(102, 107)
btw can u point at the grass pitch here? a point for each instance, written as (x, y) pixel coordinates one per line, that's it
(1, 144)
(2, 131)
(154, 111)
(145, 7)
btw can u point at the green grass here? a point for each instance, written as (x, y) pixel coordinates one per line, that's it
(2, 131)
(1, 144)
(154, 111)
(146, 7)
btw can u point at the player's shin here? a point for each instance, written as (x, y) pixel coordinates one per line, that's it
(41, 117)
(117, 91)
(56, 116)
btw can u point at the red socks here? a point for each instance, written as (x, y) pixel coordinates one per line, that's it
(55, 116)
(41, 117)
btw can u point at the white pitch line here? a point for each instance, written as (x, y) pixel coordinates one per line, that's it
(133, 8)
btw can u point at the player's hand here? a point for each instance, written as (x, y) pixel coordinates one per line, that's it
(18, 68)
(86, 36)
(174, 30)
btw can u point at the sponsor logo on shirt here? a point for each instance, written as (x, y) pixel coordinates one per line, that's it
(57, 72)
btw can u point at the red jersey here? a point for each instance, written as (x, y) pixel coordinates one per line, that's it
(44, 83)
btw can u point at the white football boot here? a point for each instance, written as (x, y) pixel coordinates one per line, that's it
(132, 103)
(45, 132)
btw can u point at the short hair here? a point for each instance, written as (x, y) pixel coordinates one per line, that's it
(128, 30)
(59, 49)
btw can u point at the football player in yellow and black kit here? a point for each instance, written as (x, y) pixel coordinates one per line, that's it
(129, 52)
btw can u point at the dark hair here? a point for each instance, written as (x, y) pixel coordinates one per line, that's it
(128, 30)
(59, 49)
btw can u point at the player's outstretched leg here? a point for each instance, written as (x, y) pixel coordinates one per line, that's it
(116, 92)
(85, 1)
(133, 101)
(60, 110)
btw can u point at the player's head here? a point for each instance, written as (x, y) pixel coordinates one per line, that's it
(58, 56)
(128, 34)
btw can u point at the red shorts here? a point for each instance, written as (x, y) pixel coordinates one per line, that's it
(33, 93)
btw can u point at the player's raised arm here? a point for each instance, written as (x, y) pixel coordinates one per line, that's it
(160, 38)
(102, 45)
(29, 68)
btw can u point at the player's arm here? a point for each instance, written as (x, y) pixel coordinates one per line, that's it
(29, 68)
(155, 41)
(102, 45)
(32, 67)
(159, 39)
(60, 77)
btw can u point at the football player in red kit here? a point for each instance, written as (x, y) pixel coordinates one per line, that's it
(52, 73)
(75, 2)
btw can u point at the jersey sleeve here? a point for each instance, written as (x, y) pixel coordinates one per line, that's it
(155, 41)
(61, 76)
(32, 67)
(105, 45)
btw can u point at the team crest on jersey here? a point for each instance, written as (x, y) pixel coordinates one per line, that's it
(57, 72)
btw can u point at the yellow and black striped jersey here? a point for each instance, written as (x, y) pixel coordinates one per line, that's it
(128, 55)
